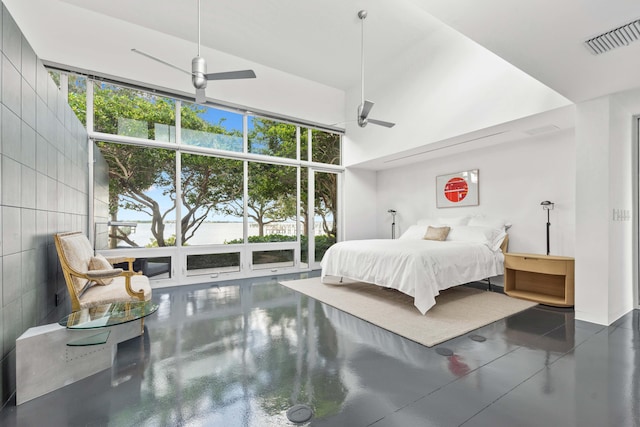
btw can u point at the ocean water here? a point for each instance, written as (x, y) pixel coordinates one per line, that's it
(211, 233)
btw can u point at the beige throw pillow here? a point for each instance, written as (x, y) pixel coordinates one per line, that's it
(436, 233)
(99, 262)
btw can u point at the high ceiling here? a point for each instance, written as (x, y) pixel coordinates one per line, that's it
(545, 38)
(320, 40)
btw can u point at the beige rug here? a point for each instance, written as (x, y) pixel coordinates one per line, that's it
(457, 311)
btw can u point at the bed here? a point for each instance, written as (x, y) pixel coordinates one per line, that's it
(419, 267)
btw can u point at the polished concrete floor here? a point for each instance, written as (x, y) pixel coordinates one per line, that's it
(243, 353)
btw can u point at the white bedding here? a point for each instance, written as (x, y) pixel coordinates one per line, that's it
(419, 268)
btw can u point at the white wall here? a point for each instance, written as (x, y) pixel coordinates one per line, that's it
(592, 211)
(514, 178)
(604, 245)
(360, 206)
(437, 93)
(621, 199)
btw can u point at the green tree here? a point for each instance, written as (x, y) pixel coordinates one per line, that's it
(132, 171)
(326, 149)
(272, 188)
(271, 195)
(272, 191)
(210, 184)
(207, 181)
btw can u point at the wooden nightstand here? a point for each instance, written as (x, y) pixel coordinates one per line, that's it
(546, 279)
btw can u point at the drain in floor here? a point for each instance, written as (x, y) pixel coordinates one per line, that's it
(444, 351)
(299, 413)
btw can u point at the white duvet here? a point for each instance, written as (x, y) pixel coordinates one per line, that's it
(419, 268)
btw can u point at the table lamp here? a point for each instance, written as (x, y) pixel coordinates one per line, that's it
(393, 223)
(547, 206)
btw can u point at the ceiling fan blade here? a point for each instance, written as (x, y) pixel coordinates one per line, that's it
(366, 108)
(139, 52)
(381, 123)
(229, 75)
(201, 96)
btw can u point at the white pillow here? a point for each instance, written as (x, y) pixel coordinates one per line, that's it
(492, 237)
(456, 220)
(480, 221)
(414, 232)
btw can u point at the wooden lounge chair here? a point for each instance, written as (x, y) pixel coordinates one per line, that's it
(92, 280)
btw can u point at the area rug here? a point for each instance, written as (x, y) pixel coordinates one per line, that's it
(458, 310)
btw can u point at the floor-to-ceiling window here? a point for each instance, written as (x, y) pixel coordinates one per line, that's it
(201, 192)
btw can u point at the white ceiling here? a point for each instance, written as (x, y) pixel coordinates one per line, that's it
(545, 39)
(320, 40)
(316, 40)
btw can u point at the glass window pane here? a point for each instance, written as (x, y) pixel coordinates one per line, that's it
(325, 147)
(122, 111)
(212, 200)
(272, 203)
(213, 263)
(272, 138)
(78, 96)
(326, 209)
(211, 128)
(100, 200)
(55, 76)
(142, 192)
(272, 259)
(304, 143)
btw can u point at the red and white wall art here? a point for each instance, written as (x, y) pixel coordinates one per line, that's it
(457, 189)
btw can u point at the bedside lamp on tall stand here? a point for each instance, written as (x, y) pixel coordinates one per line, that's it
(547, 206)
(393, 223)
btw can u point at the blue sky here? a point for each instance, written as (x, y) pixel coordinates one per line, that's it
(233, 120)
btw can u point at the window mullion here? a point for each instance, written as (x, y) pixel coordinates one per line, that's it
(89, 107)
(178, 182)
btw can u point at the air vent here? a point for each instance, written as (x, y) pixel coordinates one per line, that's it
(615, 38)
(445, 147)
(542, 129)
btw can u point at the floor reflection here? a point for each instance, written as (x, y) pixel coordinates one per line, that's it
(244, 353)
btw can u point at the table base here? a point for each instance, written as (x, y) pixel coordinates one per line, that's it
(45, 362)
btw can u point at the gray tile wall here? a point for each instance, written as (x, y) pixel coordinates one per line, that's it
(44, 181)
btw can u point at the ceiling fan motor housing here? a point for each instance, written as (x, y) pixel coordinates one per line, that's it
(198, 72)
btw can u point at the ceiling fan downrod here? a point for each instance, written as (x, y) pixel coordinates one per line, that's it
(198, 64)
(365, 106)
(362, 15)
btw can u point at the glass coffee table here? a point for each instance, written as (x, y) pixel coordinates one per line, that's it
(104, 316)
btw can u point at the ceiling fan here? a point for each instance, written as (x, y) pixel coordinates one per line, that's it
(199, 76)
(365, 106)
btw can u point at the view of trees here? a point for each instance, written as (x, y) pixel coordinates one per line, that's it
(210, 185)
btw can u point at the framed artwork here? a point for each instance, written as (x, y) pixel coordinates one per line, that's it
(457, 189)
